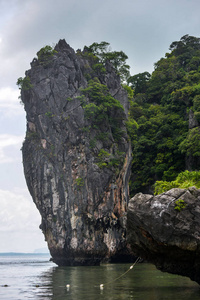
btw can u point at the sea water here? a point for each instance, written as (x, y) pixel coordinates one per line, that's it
(33, 276)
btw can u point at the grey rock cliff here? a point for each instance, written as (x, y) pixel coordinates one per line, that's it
(77, 173)
(165, 236)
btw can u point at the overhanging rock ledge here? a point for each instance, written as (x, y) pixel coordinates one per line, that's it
(166, 233)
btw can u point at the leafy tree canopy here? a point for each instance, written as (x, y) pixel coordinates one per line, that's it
(45, 53)
(184, 180)
(118, 58)
(139, 82)
(162, 141)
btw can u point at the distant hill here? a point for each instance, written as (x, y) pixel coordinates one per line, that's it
(41, 250)
(21, 253)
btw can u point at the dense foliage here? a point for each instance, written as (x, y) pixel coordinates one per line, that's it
(183, 180)
(102, 53)
(105, 116)
(99, 109)
(165, 109)
(45, 53)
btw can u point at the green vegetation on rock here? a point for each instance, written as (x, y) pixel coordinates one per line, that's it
(100, 53)
(24, 83)
(79, 181)
(100, 107)
(180, 204)
(45, 53)
(164, 117)
(184, 180)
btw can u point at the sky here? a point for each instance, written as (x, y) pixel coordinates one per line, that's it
(143, 29)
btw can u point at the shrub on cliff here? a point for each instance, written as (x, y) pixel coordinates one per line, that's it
(184, 180)
(101, 105)
(103, 52)
(24, 83)
(45, 53)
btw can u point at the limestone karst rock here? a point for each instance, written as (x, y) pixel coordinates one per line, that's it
(76, 161)
(165, 230)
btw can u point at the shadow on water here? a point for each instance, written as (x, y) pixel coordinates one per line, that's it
(142, 282)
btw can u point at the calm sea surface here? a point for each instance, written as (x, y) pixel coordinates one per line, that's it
(35, 277)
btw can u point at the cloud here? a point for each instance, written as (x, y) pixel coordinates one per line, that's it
(19, 222)
(9, 102)
(9, 144)
(142, 29)
(17, 212)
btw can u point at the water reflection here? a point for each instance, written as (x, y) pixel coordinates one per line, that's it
(142, 282)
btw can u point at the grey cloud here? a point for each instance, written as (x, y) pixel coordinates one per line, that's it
(143, 29)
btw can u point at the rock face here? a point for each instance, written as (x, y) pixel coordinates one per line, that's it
(77, 166)
(165, 230)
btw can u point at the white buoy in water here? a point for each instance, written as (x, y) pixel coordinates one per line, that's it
(68, 287)
(101, 286)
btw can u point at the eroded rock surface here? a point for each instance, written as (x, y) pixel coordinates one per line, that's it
(77, 172)
(165, 232)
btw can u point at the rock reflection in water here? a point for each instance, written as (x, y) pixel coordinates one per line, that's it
(143, 282)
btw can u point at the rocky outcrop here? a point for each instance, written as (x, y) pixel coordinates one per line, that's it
(76, 161)
(165, 230)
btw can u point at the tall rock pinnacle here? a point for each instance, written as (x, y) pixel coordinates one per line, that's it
(77, 155)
